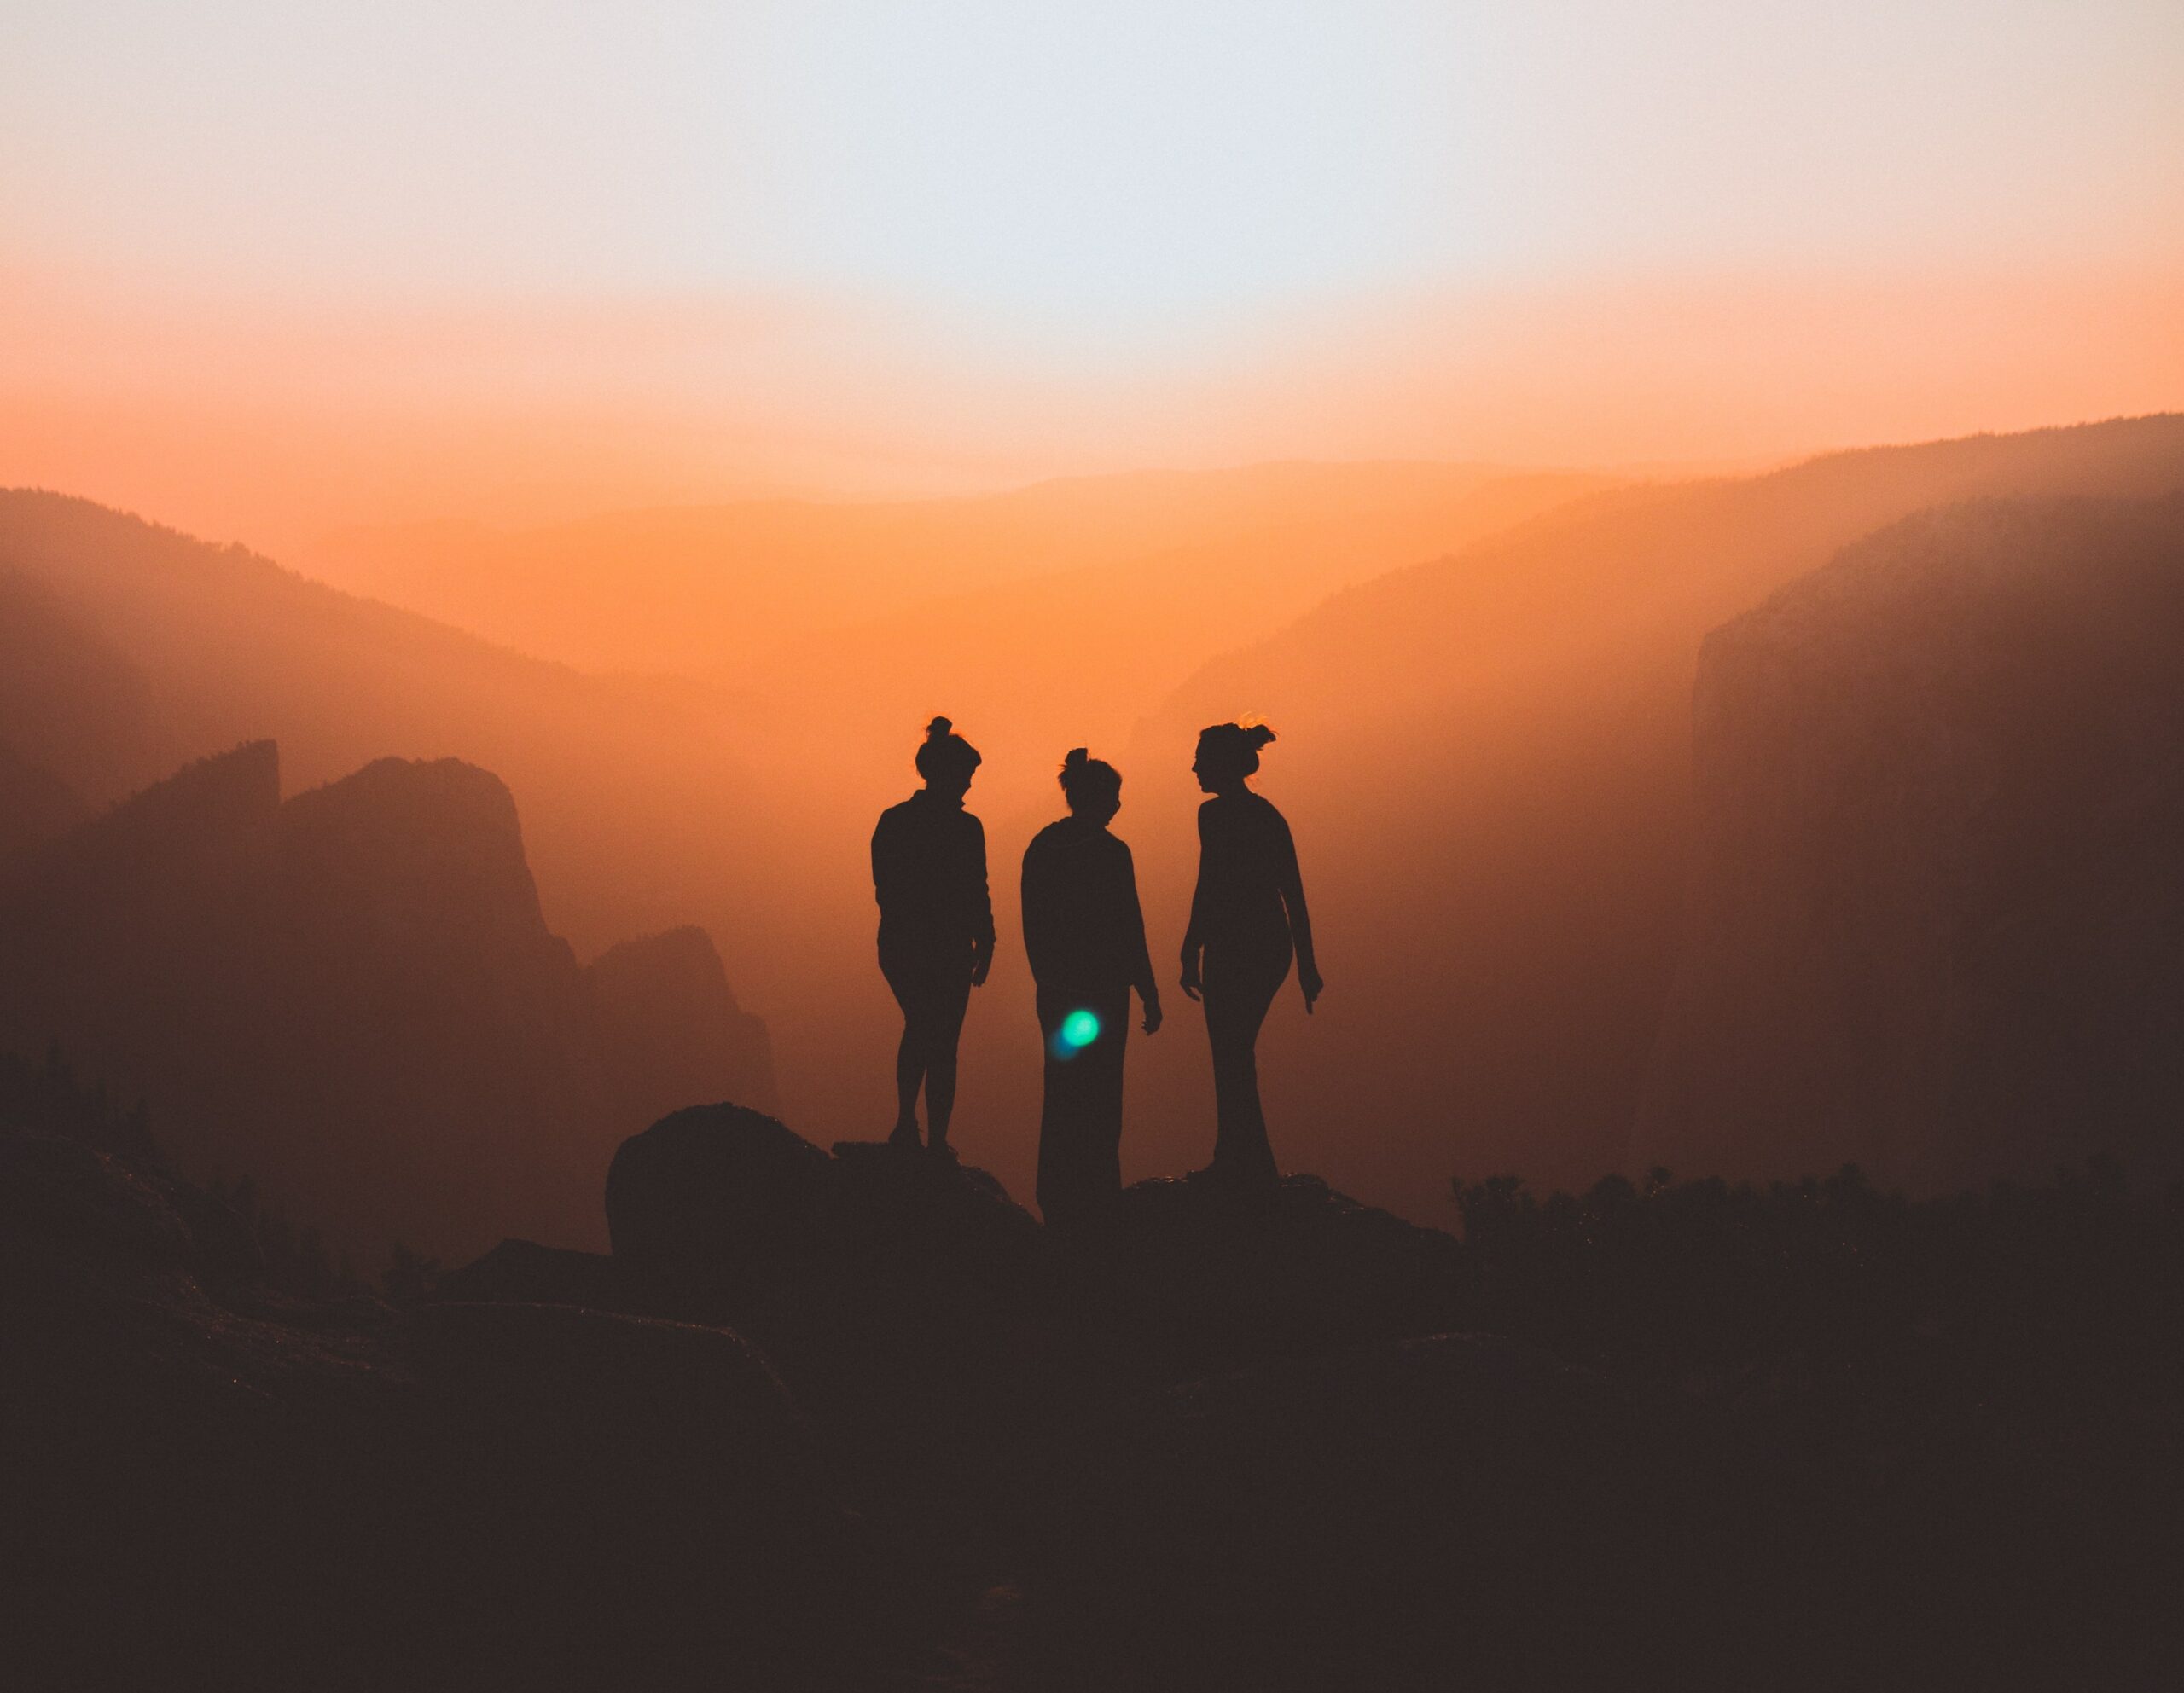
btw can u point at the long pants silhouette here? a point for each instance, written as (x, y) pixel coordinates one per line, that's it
(933, 985)
(1081, 1113)
(1240, 981)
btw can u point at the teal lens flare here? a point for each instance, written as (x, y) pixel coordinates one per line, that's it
(1079, 1030)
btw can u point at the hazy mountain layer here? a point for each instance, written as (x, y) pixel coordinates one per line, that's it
(148, 648)
(1935, 920)
(1486, 762)
(1485, 759)
(354, 999)
(707, 590)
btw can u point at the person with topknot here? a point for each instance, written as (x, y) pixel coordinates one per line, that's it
(936, 927)
(1247, 920)
(1084, 934)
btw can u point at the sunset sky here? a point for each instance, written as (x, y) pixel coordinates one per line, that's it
(266, 269)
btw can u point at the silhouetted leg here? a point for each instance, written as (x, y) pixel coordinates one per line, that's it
(1239, 991)
(907, 981)
(1103, 1113)
(1080, 1116)
(950, 998)
(933, 990)
(909, 1076)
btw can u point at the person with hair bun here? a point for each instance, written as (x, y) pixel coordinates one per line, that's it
(1247, 917)
(936, 927)
(1084, 934)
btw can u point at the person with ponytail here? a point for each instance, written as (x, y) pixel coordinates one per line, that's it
(1247, 918)
(936, 927)
(1084, 934)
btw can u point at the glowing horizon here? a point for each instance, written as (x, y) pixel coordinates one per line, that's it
(266, 272)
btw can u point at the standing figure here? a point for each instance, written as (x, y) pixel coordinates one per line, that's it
(936, 927)
(1246, 916)
(1085, 937)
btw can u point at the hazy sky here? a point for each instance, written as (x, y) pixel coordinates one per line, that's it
(863, 243)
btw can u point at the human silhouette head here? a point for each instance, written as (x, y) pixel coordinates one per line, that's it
(1226, 754)
(946, 760)
(1093, 786)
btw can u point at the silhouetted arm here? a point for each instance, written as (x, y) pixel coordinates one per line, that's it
(1194, 931)
(1148, 991)
(982, 935)
(1291, 880)
(883, 866)
(1034, 898)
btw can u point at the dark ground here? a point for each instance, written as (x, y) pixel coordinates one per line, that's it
(858, 1420)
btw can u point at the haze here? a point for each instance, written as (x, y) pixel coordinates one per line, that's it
(715, 394)
(266, 271)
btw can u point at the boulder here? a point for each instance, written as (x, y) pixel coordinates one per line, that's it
(905, 1213)
(718, 1194)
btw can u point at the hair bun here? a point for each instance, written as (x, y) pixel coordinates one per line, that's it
(937, 727)
(1257, 734)
(1074, 760)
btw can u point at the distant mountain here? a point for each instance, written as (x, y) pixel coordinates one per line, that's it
(1935, 921)
(35, 805)
(1486, 761)
(669, 1030)
(1039, 664)
(127, 649)
(71, 702)
(715, 590)
(353, 998)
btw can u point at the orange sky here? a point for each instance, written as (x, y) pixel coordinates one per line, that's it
(263, 275)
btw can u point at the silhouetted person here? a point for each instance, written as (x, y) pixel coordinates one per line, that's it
(1085, 936)
(936, 926)
(1247, 916)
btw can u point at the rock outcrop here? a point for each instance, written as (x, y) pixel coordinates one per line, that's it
(669, 1031)
(1935, 923)
(942, 1447)
(719, 1193)
(218, 1484)
(916, 1305)
(353, 998)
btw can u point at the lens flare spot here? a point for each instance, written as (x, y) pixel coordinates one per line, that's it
(1079, 1030)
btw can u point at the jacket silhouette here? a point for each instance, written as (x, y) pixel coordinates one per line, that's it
(936, 927)
(1247, 920)
(1084, 934)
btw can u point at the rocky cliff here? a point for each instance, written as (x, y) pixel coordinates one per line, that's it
(669, 1031)
(1935, 925)
(353, 998)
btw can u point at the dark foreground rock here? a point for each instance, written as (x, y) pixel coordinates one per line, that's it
(1295, 1524)
(1234, 1440)
(1215, 1276)
(522, 1271)
(716, 1193)
(1458, 1511)
(254, 1491)
(920, 1310)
